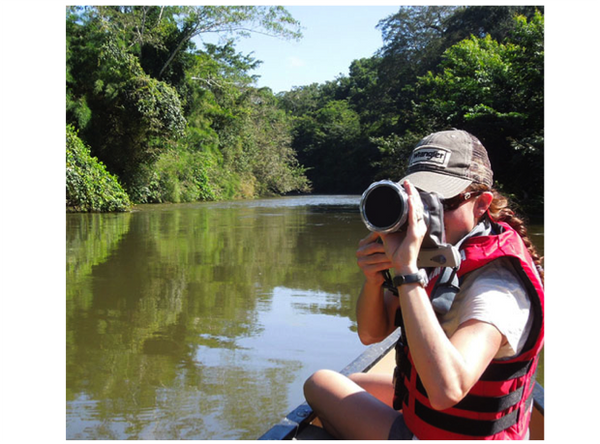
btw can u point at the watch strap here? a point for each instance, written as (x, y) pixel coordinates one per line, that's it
(420, 277)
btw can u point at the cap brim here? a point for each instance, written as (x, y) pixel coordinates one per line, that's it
(446, 186)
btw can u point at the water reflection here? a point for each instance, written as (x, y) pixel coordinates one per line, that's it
(201, 321)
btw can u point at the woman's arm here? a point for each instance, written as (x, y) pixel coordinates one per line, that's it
(448, 367)
(375, 314)
(376, 308)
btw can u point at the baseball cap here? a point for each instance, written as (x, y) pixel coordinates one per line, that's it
(447, 162)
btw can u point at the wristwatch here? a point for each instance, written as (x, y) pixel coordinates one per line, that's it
(420, 278)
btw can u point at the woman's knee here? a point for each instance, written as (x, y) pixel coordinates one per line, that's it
(327, 387)
(318, 381)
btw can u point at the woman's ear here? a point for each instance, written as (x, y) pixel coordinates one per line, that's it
(483, 203)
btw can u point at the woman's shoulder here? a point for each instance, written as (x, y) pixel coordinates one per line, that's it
(499, 272)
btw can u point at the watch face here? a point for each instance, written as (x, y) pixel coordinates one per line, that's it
(424, 280)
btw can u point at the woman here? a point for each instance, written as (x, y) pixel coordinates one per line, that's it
(463, 373)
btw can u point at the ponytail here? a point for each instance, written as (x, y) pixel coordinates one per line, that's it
(500, 211)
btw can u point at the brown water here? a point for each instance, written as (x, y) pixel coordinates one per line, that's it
(202, 321)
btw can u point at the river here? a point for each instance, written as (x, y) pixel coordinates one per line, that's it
(202, 321)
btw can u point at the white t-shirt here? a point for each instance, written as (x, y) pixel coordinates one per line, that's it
(493, 294)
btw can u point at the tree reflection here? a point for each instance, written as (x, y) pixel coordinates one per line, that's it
(159, 304)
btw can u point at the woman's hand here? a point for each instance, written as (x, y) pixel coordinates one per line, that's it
(403, 248)
(372, 259)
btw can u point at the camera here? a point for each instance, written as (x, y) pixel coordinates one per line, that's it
(384, 207)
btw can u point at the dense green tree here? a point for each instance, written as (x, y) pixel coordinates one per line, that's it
(477, 68)
(161, 36)
(131, 113)
(415, 39)
(90, 187)
(413, 43)
(271, 158)
(179, 123)
(171, 121)
(495, 90)
(329, 145)
(301, 100)
(479, 21)
(237, 136)
(361, 89)
(413, 36)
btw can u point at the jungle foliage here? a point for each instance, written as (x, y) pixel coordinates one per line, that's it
(476, 68)
(90, 187)
(179, 123)
(173, 122)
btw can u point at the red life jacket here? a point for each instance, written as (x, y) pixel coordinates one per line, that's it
(498, 406)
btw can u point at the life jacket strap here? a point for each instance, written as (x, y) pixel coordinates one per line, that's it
(468, 426)
(504, 372)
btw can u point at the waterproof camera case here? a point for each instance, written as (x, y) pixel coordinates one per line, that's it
(384, 209)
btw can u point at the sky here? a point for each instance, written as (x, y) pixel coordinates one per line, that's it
(333, 36)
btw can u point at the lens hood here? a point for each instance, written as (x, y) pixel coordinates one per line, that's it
(384, 207)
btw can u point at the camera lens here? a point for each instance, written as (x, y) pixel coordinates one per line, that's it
(384, 207)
